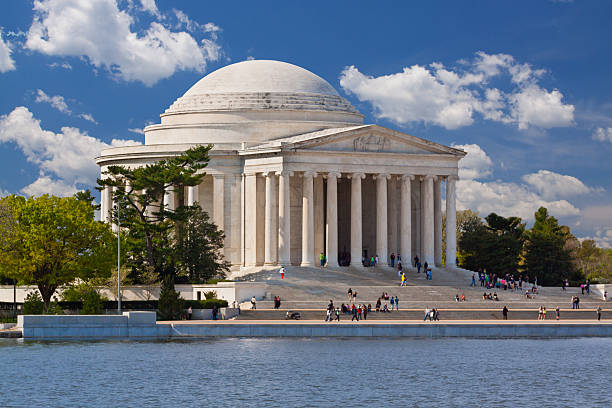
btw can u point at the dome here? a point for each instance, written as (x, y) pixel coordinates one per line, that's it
(252, 102)
(261, 85)
(262, 76)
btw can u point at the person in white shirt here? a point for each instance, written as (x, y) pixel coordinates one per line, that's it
(282, 272)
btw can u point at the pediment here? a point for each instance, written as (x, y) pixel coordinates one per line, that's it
(370, 138)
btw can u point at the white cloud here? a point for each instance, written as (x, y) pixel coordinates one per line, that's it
(476, 164)
(58, 102)
(541, 189)
(88, 117)
(551, 185)
(73, 27)
(64, 65)
(65, 159)
(603, 134)
(136, 130)
(450, 97)
(537, 107)
(150, 7)
(6, 61)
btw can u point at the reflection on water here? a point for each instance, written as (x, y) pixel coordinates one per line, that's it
(308, 372)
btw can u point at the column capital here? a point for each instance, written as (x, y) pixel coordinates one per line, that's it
(429, 177)
(406, 177)
(356, 175)
(335, 174)
(218, 175)
(382, 176)
(284, 173)
(270, 173)
(452, 178)
(309, 173)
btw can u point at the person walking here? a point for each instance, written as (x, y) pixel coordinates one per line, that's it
(253, 303)
(365, 312)
(392, 301)
(392, 258)
(557, 312)
(403, 279)
(598, 312)
(473, 280)
(338, 314)
(322, 259)
(605, 296)
(282, 272)
(189, 313)
(396, 303)
(354, 314)
(350, 294)
(505, 312)
(427, 316)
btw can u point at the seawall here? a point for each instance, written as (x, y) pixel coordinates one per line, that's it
(142, 325)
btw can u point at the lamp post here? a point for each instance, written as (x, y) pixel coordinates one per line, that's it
(118, 256)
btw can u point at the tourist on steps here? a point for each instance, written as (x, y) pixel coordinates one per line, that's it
(253, 303)
(505, 312)
(282, 272)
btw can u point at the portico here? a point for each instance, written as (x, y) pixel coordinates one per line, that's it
(294, 173)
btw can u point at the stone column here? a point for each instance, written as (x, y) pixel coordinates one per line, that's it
(169, 198)
(451, 222)
(392, 215)
(356, 228)
(308, 220)
(284, 218)
(381, 218)
(250, 219)
(428, 221)
(107, 204)
(219, 200)
(438, 221)
(271, 229)
(192, 195)
(406, 220)
(332, 218)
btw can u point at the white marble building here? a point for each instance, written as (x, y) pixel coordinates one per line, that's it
(294, 172)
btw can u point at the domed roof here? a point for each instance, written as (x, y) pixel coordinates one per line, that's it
(262, 76)
(261, 85)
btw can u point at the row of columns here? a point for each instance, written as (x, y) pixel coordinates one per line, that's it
(277, 248)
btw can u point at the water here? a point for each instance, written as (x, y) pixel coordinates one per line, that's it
(308, 372)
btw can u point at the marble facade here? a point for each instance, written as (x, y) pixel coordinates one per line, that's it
(294, 172)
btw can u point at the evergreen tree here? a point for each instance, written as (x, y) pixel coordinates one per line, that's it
(546, 252)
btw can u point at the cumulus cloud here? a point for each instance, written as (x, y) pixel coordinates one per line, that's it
(150, 7)
(64, 65)
(543, 188)
(6, 61)
(552, 185)
(603, 134)
(74, 27)
(59, 102)
(477, 164)
(450, 97)
(65, 159)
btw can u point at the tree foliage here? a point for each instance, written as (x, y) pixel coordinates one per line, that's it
(169, 241)
(52, 241)
(546, 252)
(494, 246)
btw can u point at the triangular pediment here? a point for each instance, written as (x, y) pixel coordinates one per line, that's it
(366, 138)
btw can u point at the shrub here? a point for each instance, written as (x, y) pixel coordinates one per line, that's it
(93, 303)
(210, 294)
(170, 302)
(33, 304)
(205, 304)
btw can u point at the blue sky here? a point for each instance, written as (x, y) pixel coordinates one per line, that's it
(521, 85)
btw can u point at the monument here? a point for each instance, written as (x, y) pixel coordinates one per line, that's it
(294, 171)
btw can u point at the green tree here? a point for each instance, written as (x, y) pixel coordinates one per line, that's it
(199, 248)
(467, 220)
(494, 246)
(547, 255)
(150, 223)
(593, 262)
(55, 241)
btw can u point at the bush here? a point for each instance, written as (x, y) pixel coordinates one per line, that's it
(170, 302)
(210, 294)
(205, 304)
(92, 304)
(33, 304)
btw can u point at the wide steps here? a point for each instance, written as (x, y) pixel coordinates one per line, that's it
(445, 314)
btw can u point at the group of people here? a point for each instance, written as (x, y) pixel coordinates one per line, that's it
(489, 296)
(505, 282)
(461, 298)
(575, 302)
(431, 314)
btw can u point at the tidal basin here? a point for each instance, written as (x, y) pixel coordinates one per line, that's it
(308, 372)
